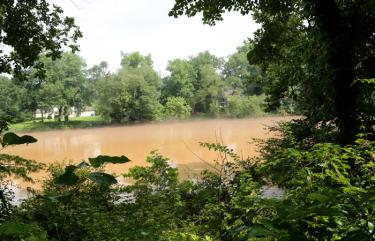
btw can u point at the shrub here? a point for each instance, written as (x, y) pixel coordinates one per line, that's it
(243, 106)
(177, 108)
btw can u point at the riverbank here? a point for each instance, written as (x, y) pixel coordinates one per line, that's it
(50, 124)
(97, 121)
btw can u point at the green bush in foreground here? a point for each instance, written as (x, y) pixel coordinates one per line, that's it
(326, 192)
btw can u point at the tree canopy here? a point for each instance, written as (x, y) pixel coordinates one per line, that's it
(29, 28)
(314, 51)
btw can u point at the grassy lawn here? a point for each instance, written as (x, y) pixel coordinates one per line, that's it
(50, 124)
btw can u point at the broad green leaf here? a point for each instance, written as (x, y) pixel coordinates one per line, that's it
(11, 138)
(257, 230)
(100, 160)
(102, 178)
(59, 198)
(68, 178)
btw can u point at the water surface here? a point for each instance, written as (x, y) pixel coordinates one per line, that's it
(178, 141)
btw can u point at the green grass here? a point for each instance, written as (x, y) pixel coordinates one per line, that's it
(50, 124)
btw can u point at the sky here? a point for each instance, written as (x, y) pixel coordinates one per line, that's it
(112, 26)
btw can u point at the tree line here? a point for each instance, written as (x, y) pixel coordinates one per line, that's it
(200, 85)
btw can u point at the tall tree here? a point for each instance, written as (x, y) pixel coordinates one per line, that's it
(208, 84)
(133, 93)
(181, 81)
(210, 93)
(66, 77)
(94, 75)
(318, 51)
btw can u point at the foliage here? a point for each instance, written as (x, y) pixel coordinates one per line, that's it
(12, 166)
(30, 28)
(10, 99)
(74, 197)
(242, 77)
(176, 107)
(69, 177)
(313, 52)
(66, 81)
(328, 190)
(14, 230)
(155, 204)
(15, 165)
(50, 124)
(180, 236)
(181, 81)
(242, 106)
(132, 94)
(210, 89)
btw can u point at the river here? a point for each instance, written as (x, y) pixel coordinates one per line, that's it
(179, 141)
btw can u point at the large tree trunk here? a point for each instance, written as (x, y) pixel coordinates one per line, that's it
(339, 32)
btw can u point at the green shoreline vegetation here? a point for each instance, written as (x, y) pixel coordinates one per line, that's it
(98, 121)
(46, 125)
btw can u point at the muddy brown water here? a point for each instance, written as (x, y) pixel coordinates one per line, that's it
(179, 141)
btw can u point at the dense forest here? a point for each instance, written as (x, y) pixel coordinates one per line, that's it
(316, 57)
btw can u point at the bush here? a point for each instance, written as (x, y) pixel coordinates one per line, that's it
(327, 192)
(243, 106)
(214, 109)
(177, 108)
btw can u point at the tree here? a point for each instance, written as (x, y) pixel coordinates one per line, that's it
(10, 99)
(112, 99)
(65, 80)
(98, 72)
(177, 107)
(242, 106)
(318, 49)
(94, 75)
(210, 92)
(133, 93)
(208, 84)
(242, 77)
(135, 60)
(29, 28)
(206, 58)
(181, 80)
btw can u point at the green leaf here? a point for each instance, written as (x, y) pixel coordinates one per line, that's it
(68, 178)
(83, 165)
(11, 138)
(59, 198)
(102, 178)
(100, 160)
(257, 230)
(4, 169)
(357, 235)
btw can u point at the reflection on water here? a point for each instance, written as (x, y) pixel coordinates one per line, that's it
(177, 141)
